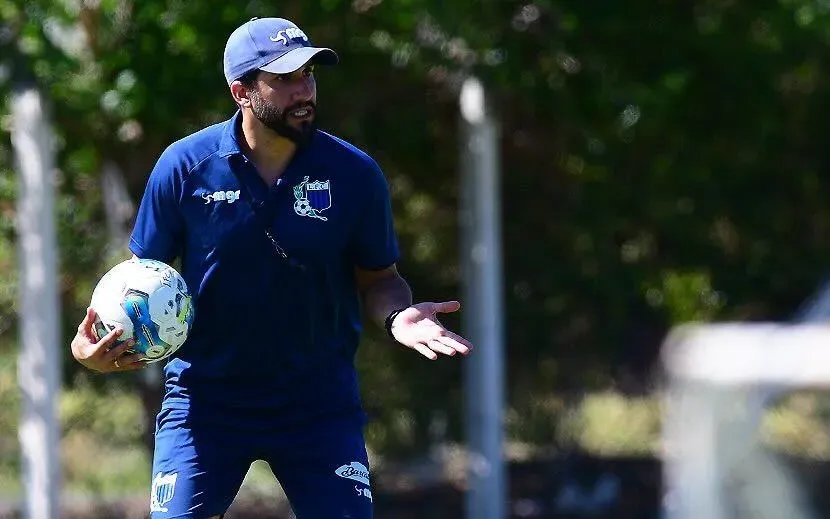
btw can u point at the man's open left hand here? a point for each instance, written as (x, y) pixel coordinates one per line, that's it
(418, 328)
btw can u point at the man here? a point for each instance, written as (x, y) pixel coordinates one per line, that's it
(282, 231)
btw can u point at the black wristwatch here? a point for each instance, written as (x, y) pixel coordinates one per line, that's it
(388, 322)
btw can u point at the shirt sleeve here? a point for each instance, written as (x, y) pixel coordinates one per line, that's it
(159, 226)
(374, 243)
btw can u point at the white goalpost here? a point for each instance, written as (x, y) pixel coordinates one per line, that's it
(38, 366)
(719, 378)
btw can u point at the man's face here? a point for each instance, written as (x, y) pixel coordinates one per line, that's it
(287, 103)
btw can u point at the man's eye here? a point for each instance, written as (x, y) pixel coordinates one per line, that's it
(308, 72)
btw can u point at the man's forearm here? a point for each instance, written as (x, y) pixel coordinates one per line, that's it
(385, 296)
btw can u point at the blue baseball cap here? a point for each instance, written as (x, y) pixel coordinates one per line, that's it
(274, 45)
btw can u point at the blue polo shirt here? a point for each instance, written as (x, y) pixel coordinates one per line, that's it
(270, 333)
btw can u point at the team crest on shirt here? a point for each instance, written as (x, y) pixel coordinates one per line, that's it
(164, 486)
(312, 198)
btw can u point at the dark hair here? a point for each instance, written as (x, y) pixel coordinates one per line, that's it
(249, 78)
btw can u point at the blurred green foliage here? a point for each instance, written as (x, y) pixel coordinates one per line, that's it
(661, 163)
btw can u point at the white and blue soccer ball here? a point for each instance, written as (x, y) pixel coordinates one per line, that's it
(150, 301)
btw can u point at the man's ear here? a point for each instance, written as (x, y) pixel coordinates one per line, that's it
(241, 94)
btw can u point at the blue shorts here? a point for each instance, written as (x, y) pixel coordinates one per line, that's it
(198, 469)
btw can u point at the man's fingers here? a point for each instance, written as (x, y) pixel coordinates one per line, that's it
(458, 342)
(424, 350)
(108, 340)
(130, 362)
(440, 347)
(132, 358)
(454, 344)
(447, 306)
(85, 328)
(116, 351)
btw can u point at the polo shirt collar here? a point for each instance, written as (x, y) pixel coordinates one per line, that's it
(229, 143)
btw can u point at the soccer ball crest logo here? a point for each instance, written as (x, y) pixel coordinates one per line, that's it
(312, 198)
(150, 301)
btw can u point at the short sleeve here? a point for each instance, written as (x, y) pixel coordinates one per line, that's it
(374, 243)
(159, 226)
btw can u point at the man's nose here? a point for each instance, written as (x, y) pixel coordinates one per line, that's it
(303, 91)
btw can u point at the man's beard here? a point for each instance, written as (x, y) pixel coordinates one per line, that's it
(277, 120)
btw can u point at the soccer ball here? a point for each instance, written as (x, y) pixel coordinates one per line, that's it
(150, 301)
(302, 207)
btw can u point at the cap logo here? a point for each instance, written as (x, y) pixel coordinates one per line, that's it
(292, 33)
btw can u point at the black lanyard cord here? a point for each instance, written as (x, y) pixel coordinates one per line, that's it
(264, 221)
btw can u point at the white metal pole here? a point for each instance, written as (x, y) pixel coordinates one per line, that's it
(39, 361)
(482, 262)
